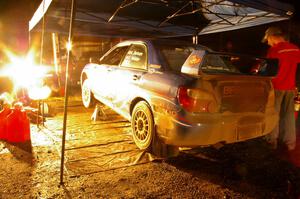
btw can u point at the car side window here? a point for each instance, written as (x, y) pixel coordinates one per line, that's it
(115, 56)
(136, 57)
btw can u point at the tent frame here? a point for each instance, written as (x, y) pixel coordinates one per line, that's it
(221, 20)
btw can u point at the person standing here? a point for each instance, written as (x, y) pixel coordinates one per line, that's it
(284, 84)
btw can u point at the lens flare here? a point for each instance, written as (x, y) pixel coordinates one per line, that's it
(69, 46)
(37, 93)
(26, 74)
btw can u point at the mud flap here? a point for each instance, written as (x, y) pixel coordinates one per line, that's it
(163, 150)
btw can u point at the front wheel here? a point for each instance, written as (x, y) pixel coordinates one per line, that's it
(87, 95)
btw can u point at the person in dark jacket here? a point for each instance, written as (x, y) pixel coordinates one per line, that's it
(284, 83)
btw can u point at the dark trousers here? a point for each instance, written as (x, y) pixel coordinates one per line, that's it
(285, 130)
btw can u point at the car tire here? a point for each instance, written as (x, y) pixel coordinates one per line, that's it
(142, 125)
(88, 99)
(144, 133)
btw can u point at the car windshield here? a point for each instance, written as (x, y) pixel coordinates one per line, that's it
(215, 63)
(175, 55)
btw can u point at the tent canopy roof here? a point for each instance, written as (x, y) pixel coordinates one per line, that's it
(156, 18)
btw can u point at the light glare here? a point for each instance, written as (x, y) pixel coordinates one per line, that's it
(26, 74)
(69, 46)
(38, 93)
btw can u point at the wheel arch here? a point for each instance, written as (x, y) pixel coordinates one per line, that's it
(137, 100)
(84, 76)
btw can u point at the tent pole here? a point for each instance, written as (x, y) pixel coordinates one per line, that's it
(72, 16)
(41, 62)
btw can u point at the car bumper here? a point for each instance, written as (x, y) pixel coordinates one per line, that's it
(215, 128)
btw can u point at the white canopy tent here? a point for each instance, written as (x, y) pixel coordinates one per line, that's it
(157, 18)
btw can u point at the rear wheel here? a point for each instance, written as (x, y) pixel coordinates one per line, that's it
(144, 134)
(142, 125)
(87, 96)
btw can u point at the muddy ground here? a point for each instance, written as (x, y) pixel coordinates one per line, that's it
(101, 161)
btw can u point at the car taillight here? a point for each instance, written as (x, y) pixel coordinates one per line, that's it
(196, 100)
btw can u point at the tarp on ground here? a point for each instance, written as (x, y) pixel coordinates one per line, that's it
(157, 18)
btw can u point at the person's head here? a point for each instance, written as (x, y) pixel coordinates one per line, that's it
(273, 36)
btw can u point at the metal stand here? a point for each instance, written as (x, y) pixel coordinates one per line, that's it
(43, 112)
(98, 113)
(38, 114)
(41, 109)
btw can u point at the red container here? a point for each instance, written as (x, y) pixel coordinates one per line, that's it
(3, 123)
(17, 126)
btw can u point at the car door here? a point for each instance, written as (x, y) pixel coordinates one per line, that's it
(104, 85)
(129, 76)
